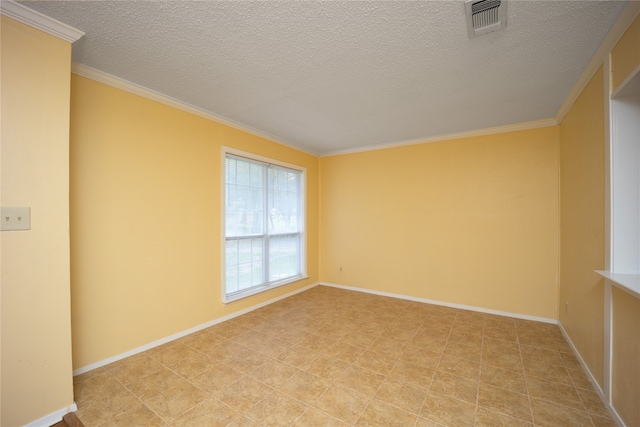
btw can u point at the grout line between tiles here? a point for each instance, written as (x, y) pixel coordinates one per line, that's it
(316, 321)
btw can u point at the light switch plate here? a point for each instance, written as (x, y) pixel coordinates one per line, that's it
(12, 218)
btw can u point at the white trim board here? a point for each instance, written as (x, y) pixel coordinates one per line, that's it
(595, 384)
(28, 16)
(444, 304)
(181, 334)
(52, 418)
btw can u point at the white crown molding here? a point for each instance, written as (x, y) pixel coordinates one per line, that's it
(40, 21)
(117, 82)
(625, 19)
(127, 86)
(543, 123)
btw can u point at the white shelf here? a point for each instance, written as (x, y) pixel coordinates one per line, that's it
(629, 283)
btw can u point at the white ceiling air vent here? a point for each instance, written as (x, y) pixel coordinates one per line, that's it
(485, 16)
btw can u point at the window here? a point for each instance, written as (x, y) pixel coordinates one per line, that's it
(264, 224)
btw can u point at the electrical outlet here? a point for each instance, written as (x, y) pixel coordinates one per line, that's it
(340, 269)
(566, 307)
(15, 218)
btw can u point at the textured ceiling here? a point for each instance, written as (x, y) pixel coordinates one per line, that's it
(336, 76)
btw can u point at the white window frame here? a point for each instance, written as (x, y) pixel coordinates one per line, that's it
(301, 217)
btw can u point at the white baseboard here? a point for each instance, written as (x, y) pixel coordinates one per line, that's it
(612, 411)
(185, 333)
(55, 417)
(445, 304)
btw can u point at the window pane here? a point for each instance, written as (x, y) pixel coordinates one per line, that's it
(243, 174)
(231, 266)
(284, 200)
(230, 170)
(244, 279)
(257, 261)
(244, 263)
(232, 280)
(257, 175)
(244, 194)
(231, 256)
(284, 255)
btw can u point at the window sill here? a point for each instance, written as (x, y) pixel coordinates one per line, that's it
(250, 292)
(629, 283)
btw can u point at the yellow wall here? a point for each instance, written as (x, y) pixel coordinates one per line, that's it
(582, 223)
(36, 331)
(471, 221)
(625, 56)
(146, 219)
(625, 390)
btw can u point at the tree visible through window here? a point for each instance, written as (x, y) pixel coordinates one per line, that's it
(263, 225)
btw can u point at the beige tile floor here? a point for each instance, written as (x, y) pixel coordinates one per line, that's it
(331, 357)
